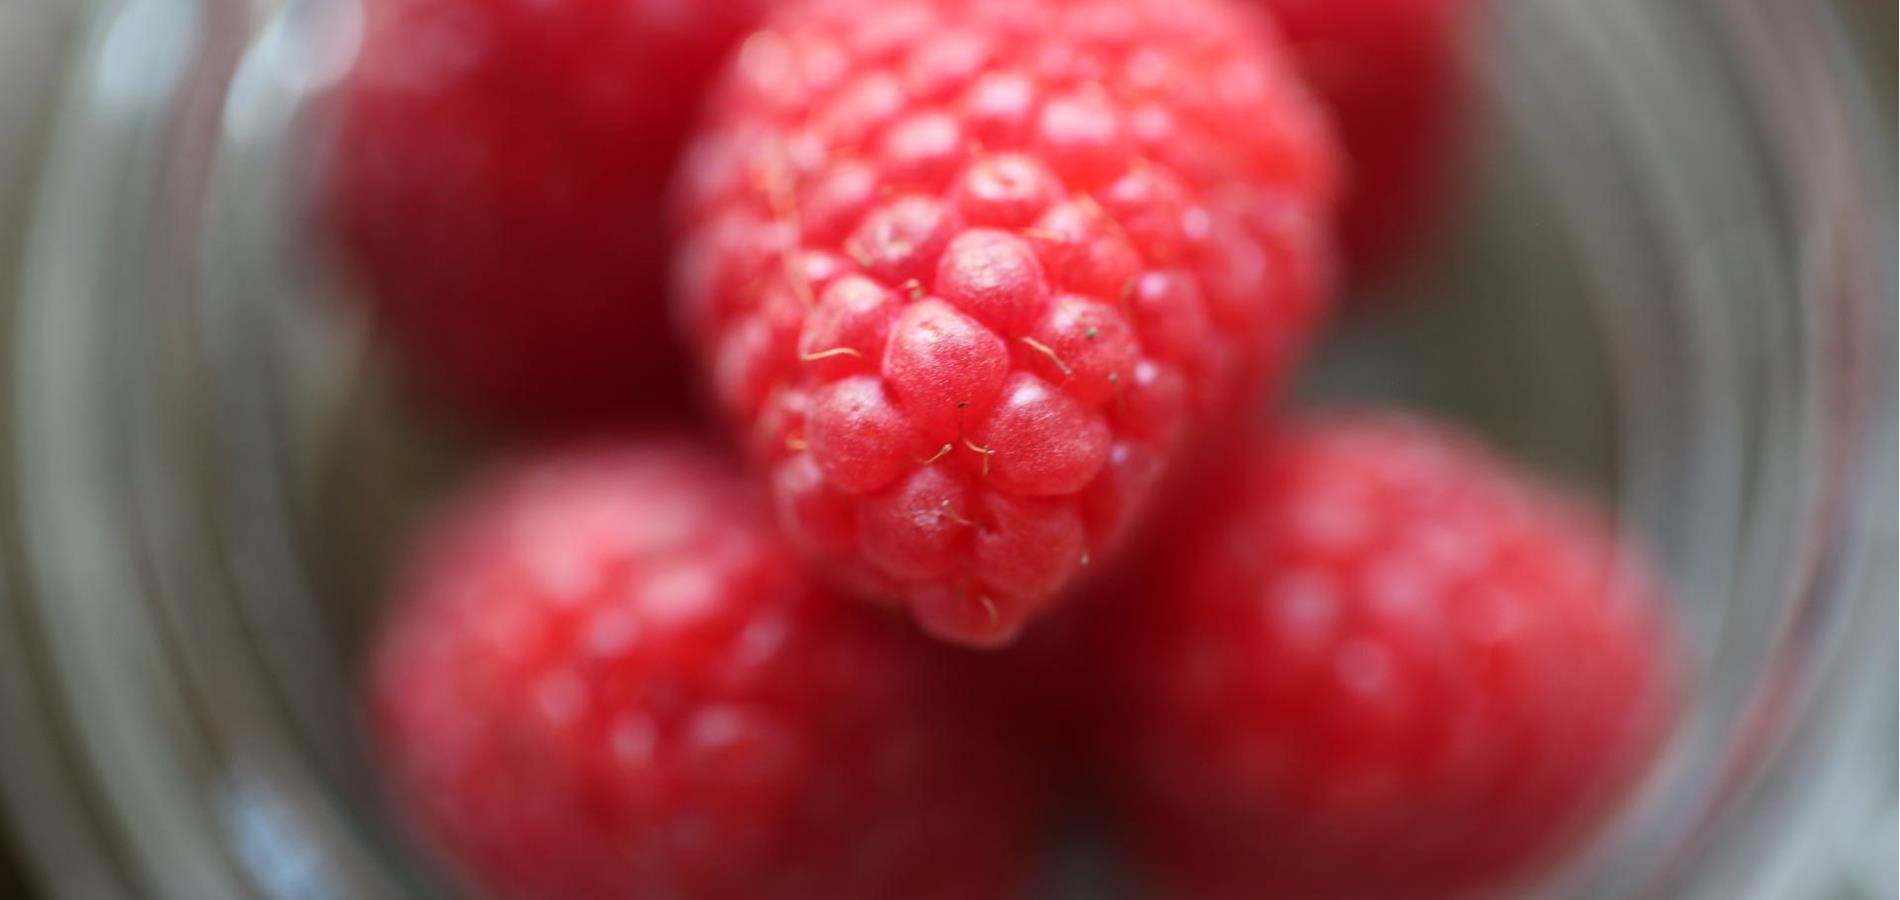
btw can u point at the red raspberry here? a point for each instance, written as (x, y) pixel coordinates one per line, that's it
(1387, 667)
(971, 271)
(496, 183)
(607, 679)
(1390, 72)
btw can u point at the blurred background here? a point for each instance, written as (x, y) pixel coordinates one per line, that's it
(36, 41)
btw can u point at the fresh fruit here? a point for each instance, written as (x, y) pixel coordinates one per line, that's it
(1383, 666)
(1390, 71)
(495, 183)
(605, 678)
(969, 274)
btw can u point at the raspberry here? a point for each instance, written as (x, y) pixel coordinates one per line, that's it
(971, 273)
(1387, 666)
(606, 678)
(1390, 72)
(495, 184)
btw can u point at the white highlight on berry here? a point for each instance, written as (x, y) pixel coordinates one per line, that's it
(1303, 608)
(1364, 668)
(561, 696)
(678, 593)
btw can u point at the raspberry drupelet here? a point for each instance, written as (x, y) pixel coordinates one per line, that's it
(605, 677)
(971, 275)
(1384, 666)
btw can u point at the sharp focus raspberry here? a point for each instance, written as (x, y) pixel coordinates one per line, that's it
(1390, 72)
(607, 679)
(972, 272)
(496, 180)
(1387, 667)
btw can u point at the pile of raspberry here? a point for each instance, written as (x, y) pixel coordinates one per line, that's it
(895, 462)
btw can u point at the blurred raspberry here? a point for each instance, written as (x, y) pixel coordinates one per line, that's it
(972, 273)
(606, 679)
(1390, 71)
(495, 182)
(1383, 666)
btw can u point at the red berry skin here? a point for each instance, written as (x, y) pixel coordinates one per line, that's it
(605, 677)
(1391, 73)
(495, 185)
(1383, 666)
(1061, 238)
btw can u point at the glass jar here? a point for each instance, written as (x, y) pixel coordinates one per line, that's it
(1671, 279)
